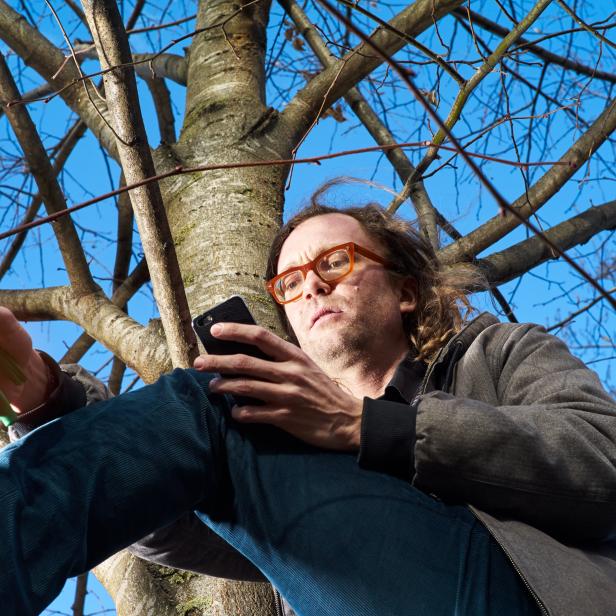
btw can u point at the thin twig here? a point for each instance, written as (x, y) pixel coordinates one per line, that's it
(134, 63)
(82, 78)
(409, 39)
(580, 311)
(132, 20)
(179, 170)
(584, 25)
(500, 200)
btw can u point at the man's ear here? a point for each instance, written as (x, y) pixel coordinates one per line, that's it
(408, 296)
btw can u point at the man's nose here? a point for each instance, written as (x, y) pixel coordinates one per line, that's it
(313, 285)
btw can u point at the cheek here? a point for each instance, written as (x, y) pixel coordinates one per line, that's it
(293, 317)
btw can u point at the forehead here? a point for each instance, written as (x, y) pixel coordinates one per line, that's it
(319, 233)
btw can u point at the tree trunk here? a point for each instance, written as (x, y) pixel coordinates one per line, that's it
(222, 224)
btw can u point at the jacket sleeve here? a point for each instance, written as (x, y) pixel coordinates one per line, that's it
(387, 437)
(189, 544)
(184, 544)
(530, 433)
(75, 388)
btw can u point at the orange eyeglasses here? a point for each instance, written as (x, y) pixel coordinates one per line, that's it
(331, 265)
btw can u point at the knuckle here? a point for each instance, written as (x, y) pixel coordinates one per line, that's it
(242, 362)
(260, 334)
(243, 387)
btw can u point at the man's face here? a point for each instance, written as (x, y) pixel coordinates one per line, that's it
(358, 316)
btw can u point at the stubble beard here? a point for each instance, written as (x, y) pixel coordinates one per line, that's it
(338, 350)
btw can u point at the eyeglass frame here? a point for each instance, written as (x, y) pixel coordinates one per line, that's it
(350, 247)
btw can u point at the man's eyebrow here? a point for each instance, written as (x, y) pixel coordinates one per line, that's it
(319, 249)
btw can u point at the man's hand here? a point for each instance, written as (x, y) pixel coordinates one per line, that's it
(298, 396)
(16, 341)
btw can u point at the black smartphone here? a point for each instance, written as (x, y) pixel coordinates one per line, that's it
(232, 310)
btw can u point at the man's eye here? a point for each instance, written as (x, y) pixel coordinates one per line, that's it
(334, 263)
(292, 283)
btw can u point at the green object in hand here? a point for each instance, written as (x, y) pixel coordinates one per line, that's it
(11, 370)
(7, 414)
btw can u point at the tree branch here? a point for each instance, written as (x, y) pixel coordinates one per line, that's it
(132, 20)
(426, 214)
(45, 177)
(463, 95)
(585, 26)
(121, 90)
(333, 82)
(466, 248)
(45, 58)
(142, 348)
(81, 590)
(121, 295)
(162, 105)
(75, 8)
(544, 54)
(578, 312)
(68, 143)
(512, 262)
(120, 274)
(147, 65)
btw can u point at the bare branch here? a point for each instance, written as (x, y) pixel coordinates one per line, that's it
(447, 68)
(503, 204)
(132, 20)
(333, 82)
(45, 58)
(466, 248)
(120, 272)
(53, 198)
(142, 348)
(81, 590)
(426, 214)
(577, 313)
(164, 112)
(75, 8)
(68, 143)
(467, 89)
(118, 368)
(512, 262)
(584, 25)
(147, 65)
(544, 54)
(179, 170)
(122, 294)
(121, 90)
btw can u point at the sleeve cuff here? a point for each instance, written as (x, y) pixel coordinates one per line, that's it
(67, 395)
(387, 440)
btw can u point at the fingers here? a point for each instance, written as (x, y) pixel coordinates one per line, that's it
(271, 344)
(259, 414)
(13, 337)
(270, 393)
(239, 364)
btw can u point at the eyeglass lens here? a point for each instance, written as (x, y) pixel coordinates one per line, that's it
(329, 267)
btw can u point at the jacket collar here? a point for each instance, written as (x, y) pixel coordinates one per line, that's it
(440, 370)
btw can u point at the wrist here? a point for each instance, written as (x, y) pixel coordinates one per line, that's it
(41, 383)
(354, 429)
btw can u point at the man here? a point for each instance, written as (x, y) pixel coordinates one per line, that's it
(499, 417)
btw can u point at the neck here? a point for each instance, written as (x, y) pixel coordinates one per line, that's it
(365, 375)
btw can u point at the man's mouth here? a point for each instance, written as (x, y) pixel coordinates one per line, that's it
(321, 312)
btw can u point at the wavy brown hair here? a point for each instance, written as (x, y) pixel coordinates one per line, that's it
(442, 303)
